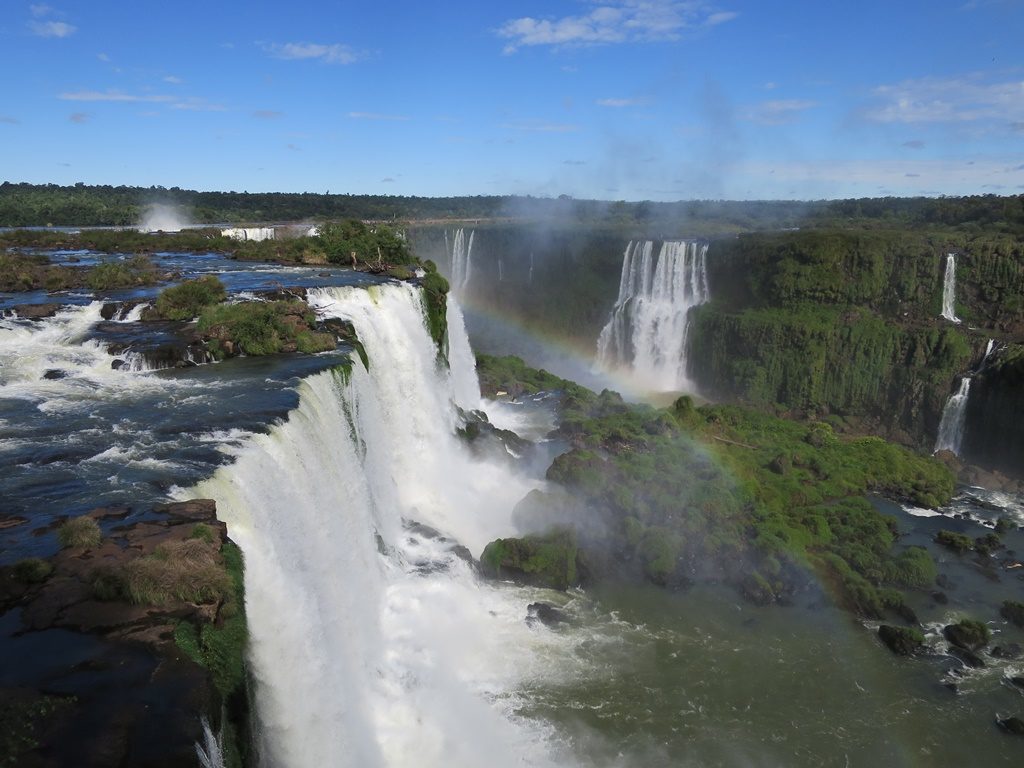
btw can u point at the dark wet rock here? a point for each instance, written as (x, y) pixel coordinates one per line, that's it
(942, 580)
(1013, 611)
(1017, 681)
(906, 613)
(940, 597)
(902, 641)
(967, 634)
(118, 310)
(1010, 651)
(12, 521)
(1013, 725)
(117, 365)
(36, 311)
(545, 613)
(54, 374)
(970, 658)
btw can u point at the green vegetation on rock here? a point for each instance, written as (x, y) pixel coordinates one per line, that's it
(32, 570)
(1013, 611)
(968, 634)
(724, 493)
(186, 300)
(136, 271)
(79, 532)
(262, 328)
(902, 641)
(435, 302)
(548, 560)
(958, 542)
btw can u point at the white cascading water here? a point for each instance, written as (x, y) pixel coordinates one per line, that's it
(949, 290)
(647, 332)
(373, 644)
(954, 413)
(460, 253)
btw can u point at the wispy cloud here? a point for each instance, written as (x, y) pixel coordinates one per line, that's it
(961, 99)
(778, 111)
(334, 53)
(79, 117)
(52, 28)
(541, 126)
(198, 105)
(614, 21)
(267, 114)
(377, 116)
(387, 180)
(112, 95)
(173, 80)
(8, 120)
(39, 10)
(619, 103)
(914, 144)
(103, 57)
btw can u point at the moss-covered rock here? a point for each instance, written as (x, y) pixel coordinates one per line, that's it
(548, 560)
(901, 640)
(968, 634)
(435, 302)
(261, 328)
(1013, 611)
(187, 300)
(958, 542)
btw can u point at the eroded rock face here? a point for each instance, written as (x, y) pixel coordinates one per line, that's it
(35, 311)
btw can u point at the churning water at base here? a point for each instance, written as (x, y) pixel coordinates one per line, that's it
(460, 254)
(949, 290)
(647, 332)
(372, 642)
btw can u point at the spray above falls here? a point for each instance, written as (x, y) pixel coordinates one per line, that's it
(647, 332)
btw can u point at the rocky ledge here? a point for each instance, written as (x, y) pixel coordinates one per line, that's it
(145, 634)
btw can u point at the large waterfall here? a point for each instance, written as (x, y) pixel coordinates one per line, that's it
(646, 334)
(949, 290)
(460, 254)
(372, 642)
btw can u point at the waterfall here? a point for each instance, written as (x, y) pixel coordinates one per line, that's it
(951, 426)
(371, 642)
(954, 414)
(647, 331)
(949, 290)
(460, 251)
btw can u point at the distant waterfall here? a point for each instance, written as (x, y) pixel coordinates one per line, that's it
(647, 331)
(460, 253)
(949, 290)
(954, 414)
(372, 642)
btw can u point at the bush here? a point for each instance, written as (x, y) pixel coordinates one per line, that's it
(137, 270)
(32, 570)
(79, 532)
(958, 542)
(187, 300)
(203, 532)
(189, 571)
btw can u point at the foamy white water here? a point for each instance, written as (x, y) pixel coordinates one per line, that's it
(954, 417)
(372, 643)
(647, 332)
(949, 290)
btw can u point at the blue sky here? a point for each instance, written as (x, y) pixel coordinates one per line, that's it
(616, 99)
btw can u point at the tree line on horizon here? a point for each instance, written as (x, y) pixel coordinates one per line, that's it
(40, 205)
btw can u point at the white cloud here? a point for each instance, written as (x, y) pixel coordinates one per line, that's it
(40, 10)
(376, 116)
(173, 80)
(51, 28)
(614, 21)
(619, 103)
(111, 96)
(335, 53)
(778, 111)
(961, 99)
(103, 57)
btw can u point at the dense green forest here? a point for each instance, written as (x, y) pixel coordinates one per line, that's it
(24, 205)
